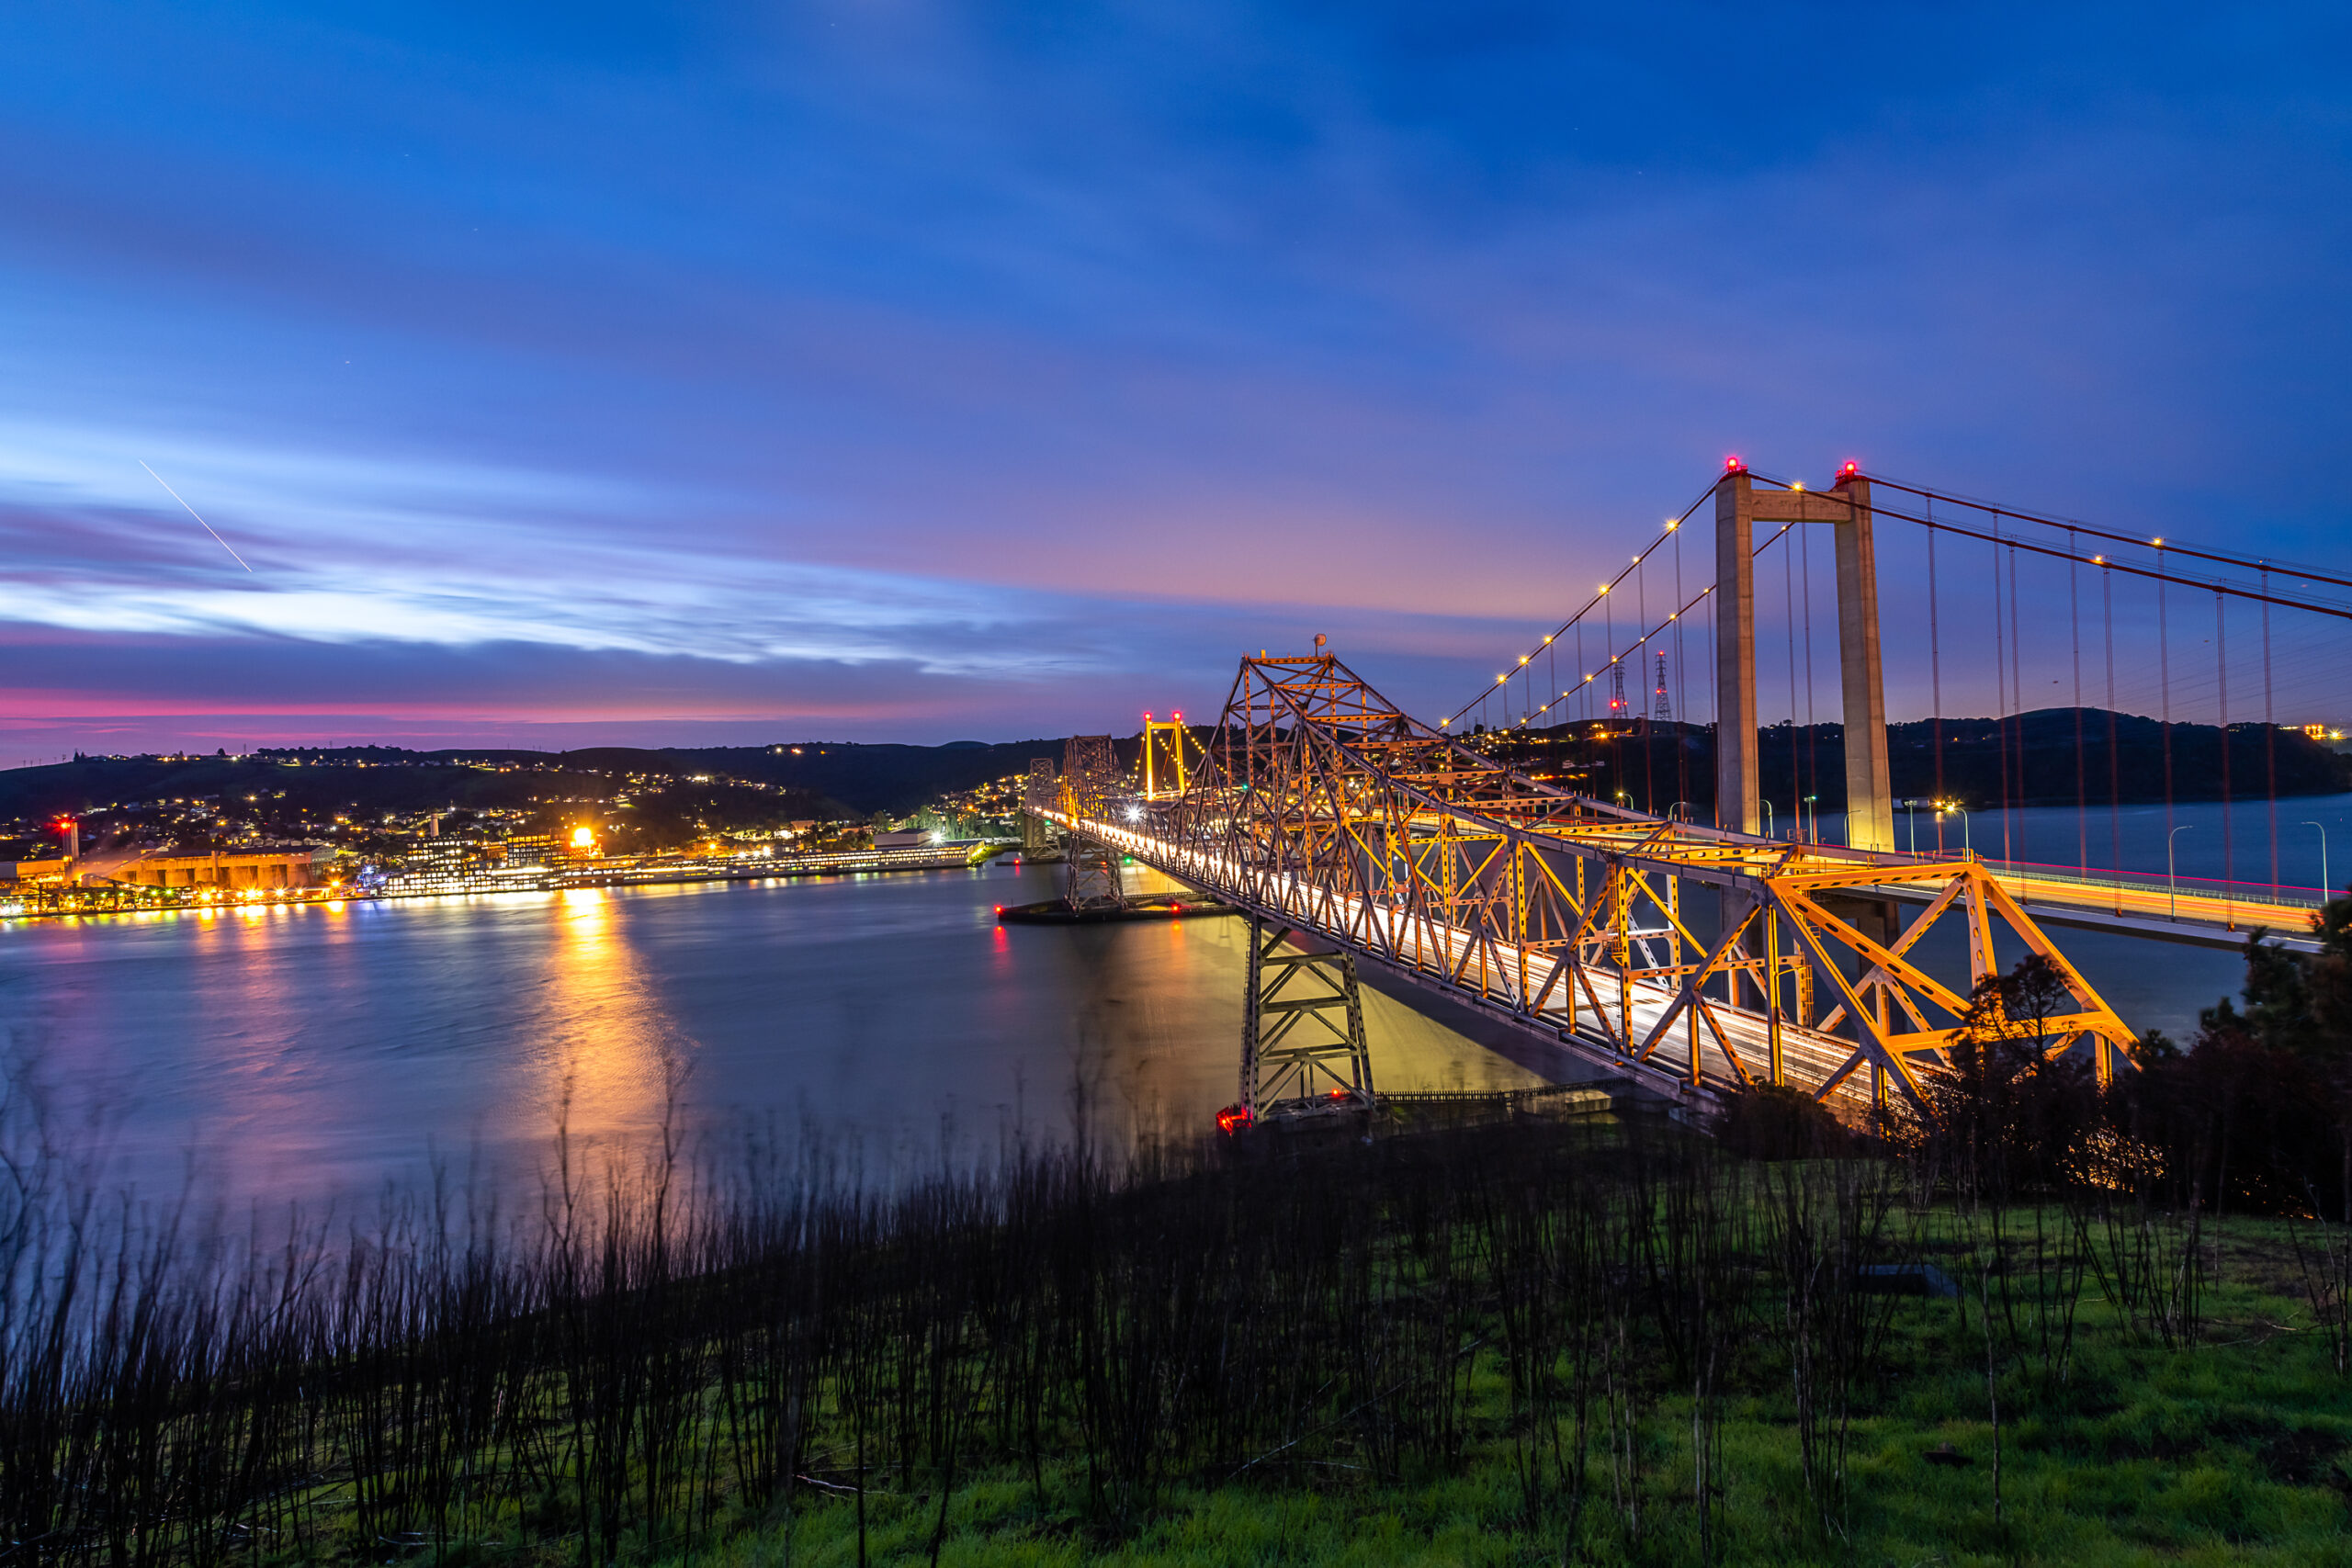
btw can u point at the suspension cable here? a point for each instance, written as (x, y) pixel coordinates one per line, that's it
(2222, 670)
(2000, 698)
(2163, 683)
(1936, 685)
(2075, 634)
(2219, 557)
(2269, 744)
(2114, 756)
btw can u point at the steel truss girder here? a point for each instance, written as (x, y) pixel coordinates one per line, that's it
(1322, 805)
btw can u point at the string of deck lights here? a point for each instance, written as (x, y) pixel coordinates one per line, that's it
(1600, 597)
(1640, 642)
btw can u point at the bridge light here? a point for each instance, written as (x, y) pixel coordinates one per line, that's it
(2098, 560)
(2158, 542)
(1849, 470)
(1733, 466)
(1796, 485)
(1522, 659)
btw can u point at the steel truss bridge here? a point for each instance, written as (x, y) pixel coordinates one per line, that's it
(1691, 959)
(1323, 810)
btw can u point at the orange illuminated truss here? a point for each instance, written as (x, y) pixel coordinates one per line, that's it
(1319, 803)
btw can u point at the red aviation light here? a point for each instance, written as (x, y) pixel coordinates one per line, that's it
(1234, 1119)
(1851, 470)
(1733, 466)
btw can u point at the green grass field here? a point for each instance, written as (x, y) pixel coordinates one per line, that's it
(2231, 1450)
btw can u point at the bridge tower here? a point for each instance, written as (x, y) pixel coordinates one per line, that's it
(1312, 996)
(1036, 834)
(1091, 781)
(1845, 507)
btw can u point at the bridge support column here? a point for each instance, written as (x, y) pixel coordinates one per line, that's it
(1870, 799)
(1737, 762)
(1091, 877)
(1314, 997)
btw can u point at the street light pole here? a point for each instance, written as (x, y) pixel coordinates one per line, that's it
(2326, 889)
(1967, 845)
(2172, 885)
(1771, 830)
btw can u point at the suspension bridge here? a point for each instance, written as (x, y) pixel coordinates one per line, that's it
(1690, 956)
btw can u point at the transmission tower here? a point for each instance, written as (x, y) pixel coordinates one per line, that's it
(1662, 710)
(1618, 707)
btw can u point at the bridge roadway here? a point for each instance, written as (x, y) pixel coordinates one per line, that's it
(1447, 962)
(2144, 906)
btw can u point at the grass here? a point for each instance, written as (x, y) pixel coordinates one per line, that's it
(1509, 1343)
(2231, 1450)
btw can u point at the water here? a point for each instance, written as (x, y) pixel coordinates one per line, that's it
(2210, 843)
(312, 1052)
(315, 1051)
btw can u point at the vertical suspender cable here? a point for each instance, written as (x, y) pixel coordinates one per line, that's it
(1714, 708)
(1649, 782)
(1812, 757)
(2114, 757)
(2017, 687)
(1789, 593)
(2270, 735)
(2000, 694)
(2075, 633)
(1681, 686)
(2164, 688)
(2222, 668)
(1936, 681)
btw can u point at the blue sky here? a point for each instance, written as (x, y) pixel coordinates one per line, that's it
(882, 369)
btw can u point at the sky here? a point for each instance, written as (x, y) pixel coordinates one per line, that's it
(881, 369)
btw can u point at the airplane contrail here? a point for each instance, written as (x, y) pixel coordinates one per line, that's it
(193, 512)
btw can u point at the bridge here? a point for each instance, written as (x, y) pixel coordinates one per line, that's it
(1687, 958)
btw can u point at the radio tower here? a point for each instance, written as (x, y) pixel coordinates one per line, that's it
(1665, 710)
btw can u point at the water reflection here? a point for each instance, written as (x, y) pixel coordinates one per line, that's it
(605, 1055)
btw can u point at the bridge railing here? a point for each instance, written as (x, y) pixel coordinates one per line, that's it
(2031, 880)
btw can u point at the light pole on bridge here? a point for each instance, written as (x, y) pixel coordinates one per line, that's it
(1967, 845)
(2172, 884)
(2326, 890)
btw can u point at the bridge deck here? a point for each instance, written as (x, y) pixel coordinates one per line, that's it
(1450, 961)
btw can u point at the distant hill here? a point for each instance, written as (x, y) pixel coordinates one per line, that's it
(831, 778)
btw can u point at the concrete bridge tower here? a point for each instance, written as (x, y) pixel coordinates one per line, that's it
(1845, 507)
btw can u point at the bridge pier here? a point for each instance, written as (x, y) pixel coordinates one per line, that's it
(1292, 991)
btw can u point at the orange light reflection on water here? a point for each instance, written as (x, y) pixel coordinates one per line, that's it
(611, 1047)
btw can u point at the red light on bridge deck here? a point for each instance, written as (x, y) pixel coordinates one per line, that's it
(1233, 1118)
